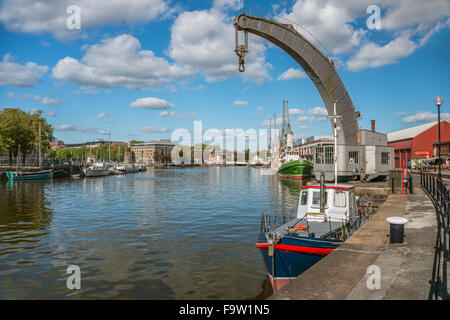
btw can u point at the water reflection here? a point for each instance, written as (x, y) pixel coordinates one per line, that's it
(162, 234)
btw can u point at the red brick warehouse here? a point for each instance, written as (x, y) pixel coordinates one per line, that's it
(417, 142)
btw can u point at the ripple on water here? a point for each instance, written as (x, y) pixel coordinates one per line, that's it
(163, 234)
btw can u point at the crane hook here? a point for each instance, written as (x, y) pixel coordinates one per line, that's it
(241, 50)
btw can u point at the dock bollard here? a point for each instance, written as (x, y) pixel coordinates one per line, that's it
(397, 230)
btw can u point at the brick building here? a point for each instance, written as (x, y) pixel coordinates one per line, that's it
(419, 142)
(152, 152)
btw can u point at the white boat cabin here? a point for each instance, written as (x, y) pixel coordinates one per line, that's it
(340, 203)
(290, 155)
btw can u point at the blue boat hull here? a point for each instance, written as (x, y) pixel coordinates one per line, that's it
(14, 176)
(293, 256)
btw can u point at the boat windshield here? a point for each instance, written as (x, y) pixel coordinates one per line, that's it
(304, 198)
(316, 198)
(340, 199)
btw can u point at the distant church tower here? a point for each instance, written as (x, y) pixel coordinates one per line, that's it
(289, 133)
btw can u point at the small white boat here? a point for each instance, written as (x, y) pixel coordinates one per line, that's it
(128, 168)
(325, 218)
(96, 170)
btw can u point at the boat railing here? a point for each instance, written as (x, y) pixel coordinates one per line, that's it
(439, 194)
(271, 221)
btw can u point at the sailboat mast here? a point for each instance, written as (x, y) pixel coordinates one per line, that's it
(109, 145)
(283, 129)
(335, 146)
(40, 157)
(18, 157)
(270, 135)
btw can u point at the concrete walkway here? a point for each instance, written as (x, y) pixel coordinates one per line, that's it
(405, 269)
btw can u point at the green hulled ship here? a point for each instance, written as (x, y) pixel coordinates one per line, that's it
(296, 169)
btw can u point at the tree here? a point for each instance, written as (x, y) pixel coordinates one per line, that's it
(16, 132)
(46, 131)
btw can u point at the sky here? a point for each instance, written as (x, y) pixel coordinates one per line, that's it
(144, 68)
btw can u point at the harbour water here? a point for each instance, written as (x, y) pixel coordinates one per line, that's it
(161, 234)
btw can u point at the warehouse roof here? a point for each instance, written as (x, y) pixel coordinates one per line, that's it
(410, 133)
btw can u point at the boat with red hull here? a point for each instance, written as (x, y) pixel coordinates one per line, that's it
(326, 217)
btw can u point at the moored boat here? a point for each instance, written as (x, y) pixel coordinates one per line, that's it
(294, 167)
(96, 170)
(128, 168)
(29, 175)
(326, 217)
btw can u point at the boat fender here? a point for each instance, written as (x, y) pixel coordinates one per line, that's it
(299, 227)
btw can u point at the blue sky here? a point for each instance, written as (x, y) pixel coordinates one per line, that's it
(142, 68)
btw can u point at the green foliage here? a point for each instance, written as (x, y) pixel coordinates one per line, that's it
(20, 128)
(100, 153)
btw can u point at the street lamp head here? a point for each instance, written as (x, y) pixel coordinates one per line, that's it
(438, 100)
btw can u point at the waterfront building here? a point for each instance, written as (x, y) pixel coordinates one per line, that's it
(306, 150)
(57, 144)
(419, 142)
(153, 152)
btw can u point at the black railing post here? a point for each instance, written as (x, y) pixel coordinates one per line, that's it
(410, 183)
(392, 184)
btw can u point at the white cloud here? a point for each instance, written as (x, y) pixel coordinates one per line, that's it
(316, 114)
(203, 41)
(151, 103)
(425, 116)
(174, 115)
(329, 21)
(51, 114)
(17, 75)
(373, 55)
(118, 62)
(333, 24)
(151, 129)
(44, 100)
(259, 109)
(292, 73)
(402, 14)
(69, 127)
(266, 123)
(49, 101)
(103, 115)
(240, 103)
(50, 16)
(295, 111)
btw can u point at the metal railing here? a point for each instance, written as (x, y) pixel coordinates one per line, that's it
(438, 192)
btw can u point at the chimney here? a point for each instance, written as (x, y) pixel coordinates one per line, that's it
(373, 125)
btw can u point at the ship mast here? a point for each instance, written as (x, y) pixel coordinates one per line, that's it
(109, 145)
(283, 130)
(270, 135)
(289, 133)
(40, 157)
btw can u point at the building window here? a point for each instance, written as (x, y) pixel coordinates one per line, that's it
(319, 155)
(353, 155)
(329, 155)
(385, 157)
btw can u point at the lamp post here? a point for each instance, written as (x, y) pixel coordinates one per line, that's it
(438, 100)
